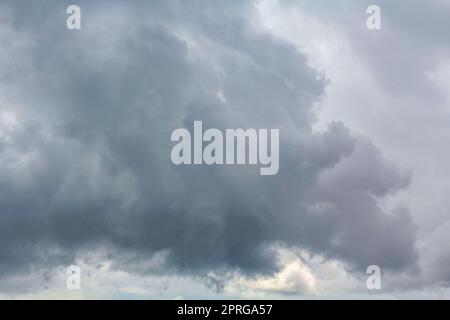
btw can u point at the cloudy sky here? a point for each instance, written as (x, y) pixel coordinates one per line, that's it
(86, 177)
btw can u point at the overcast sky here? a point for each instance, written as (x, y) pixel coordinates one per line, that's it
(86, 177)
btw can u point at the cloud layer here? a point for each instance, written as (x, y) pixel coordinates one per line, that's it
(85, 124)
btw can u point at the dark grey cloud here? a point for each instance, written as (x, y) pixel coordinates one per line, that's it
(88, 163)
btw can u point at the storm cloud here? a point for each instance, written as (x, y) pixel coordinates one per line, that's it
(85, 124)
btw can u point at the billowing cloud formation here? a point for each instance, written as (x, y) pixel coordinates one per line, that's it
(86, 118)
(401, 100)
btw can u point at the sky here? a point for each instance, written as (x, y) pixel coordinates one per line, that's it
(86, 118)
